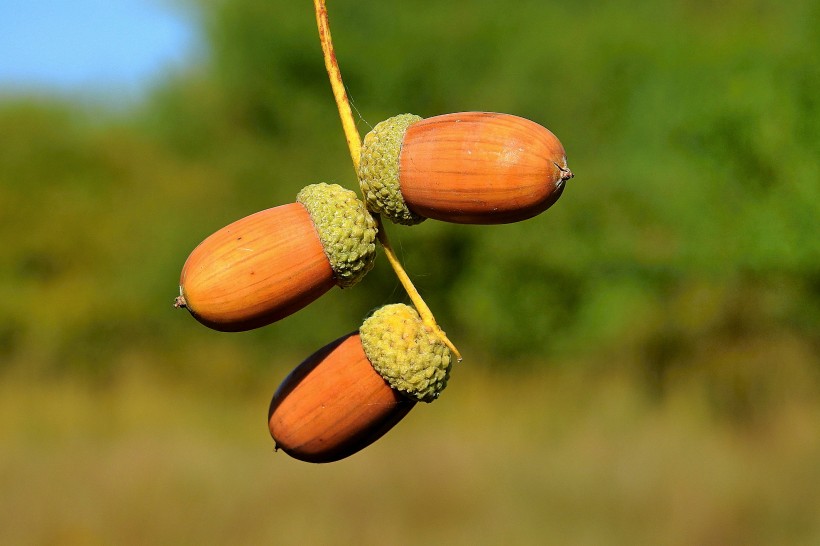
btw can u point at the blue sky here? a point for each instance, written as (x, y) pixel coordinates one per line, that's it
(70, 45)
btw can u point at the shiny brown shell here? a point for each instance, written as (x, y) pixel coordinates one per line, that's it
(481, 168)
(334, 404)
(256, 270)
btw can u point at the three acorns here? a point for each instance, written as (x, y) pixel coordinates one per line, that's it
(468, 168)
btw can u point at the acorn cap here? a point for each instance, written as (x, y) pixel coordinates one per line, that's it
(345, 228)
(410, 358)
(379, 170)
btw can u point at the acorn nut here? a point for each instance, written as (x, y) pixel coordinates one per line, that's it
(467, 168)
(270, 264)
(351, 392)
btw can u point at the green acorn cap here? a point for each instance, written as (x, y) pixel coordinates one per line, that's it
(410, 358)
(347, 231)
(379, 170)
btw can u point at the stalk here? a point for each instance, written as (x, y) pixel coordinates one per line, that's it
(354, 144)
(354, 141)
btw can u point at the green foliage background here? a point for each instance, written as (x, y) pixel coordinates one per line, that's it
(694, 131)
(685, 252)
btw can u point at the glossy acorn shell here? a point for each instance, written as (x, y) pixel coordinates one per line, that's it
(334, 404)
(256, 270)
(481, 168)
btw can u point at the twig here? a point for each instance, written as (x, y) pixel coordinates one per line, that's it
(354, 144)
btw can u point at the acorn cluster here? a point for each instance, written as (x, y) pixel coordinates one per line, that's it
(468, 168)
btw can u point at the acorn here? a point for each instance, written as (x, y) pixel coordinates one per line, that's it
(269, 265)
(467, 168)
(349, 393)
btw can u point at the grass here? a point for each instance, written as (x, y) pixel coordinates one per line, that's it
(558, 458)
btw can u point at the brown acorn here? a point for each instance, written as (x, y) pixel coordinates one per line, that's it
(268, 265)
(467, 168)
(349, 393)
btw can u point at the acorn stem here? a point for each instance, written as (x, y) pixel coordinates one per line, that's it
(354, 140)
(354, 144)
(424, 311)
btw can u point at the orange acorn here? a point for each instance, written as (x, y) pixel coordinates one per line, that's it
(269, 265)
(351, 392)
(468, 168)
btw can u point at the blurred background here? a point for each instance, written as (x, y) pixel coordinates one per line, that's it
(641, 361)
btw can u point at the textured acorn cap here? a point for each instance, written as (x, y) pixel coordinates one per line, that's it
(410, 358)
(379, 170)
(347, 231)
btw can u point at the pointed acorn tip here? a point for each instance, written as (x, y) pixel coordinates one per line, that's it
(566, 174)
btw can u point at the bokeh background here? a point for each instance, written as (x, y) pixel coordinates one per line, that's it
(641, 361)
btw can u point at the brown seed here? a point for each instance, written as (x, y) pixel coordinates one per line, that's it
(270, 264)
(467, 168)
(334, 404)
(481, 168)
(256, 270)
